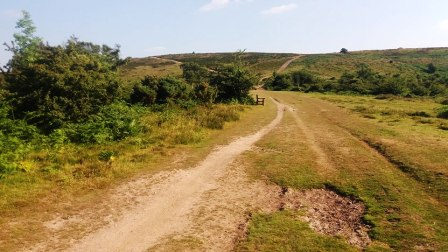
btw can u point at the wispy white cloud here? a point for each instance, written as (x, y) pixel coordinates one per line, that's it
(220, 4)
(11, 13)
(215, 5)
(279, 9)
(443, 25)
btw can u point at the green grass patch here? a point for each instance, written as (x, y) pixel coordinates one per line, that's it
(285, 231)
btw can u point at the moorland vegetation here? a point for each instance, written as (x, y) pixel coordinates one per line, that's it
(57, 100)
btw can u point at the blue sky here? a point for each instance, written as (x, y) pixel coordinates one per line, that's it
(144, 28)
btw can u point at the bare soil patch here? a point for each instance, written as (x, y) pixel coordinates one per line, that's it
(330, 214)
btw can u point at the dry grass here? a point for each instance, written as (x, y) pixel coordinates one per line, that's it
(140, 67)
(405, 209)
(78, 177)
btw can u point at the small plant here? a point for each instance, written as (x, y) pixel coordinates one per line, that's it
(107, 156)
(443, 112)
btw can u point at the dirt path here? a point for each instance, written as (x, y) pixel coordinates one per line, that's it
(281, 69)
(170, 60)
(168, 206)
(287, 63)
(206, 207)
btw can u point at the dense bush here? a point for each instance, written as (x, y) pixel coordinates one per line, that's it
(113, 122)
(364, 81)
(51, 96)
(296, 81)
(443, 112)
(17, 138)
(193, 73)
(64, 84)
(233, 82)
(153, 90)
(279, 82)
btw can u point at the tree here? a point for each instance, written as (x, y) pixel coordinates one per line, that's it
(232, 82)
(66, 83)
(25, 47)
(344, 51)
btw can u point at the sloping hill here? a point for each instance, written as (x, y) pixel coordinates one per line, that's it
(403, 61)
(406, 62)
(140, 67)
(262, 64)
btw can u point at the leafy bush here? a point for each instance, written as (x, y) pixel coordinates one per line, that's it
(143, 94)
(194, 73)
(443, 112)
(51, 85)
(113, 123)
(152, 90)
(64, 83)
(205, 93)
(232, 82)
(279, 82)
(17, 139)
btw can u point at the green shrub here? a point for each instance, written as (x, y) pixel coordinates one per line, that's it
(165, 90)
(17, 139)
(443, 112)
(194, 73)
(279, 82)
(64, 84)
(107, 155)
(143, 95)
(232, 82)
(113, 123)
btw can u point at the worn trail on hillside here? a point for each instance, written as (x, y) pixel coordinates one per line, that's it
(280, 69)
(167, 210)
(287, 63)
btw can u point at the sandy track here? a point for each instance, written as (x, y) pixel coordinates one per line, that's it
(169, 60)
(169, 208)
(287, 63)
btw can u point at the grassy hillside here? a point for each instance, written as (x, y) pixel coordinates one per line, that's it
(260, 63)
(406, 62)
(403, 61)
(140, 67)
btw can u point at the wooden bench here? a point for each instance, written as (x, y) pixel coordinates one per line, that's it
(260, 101)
